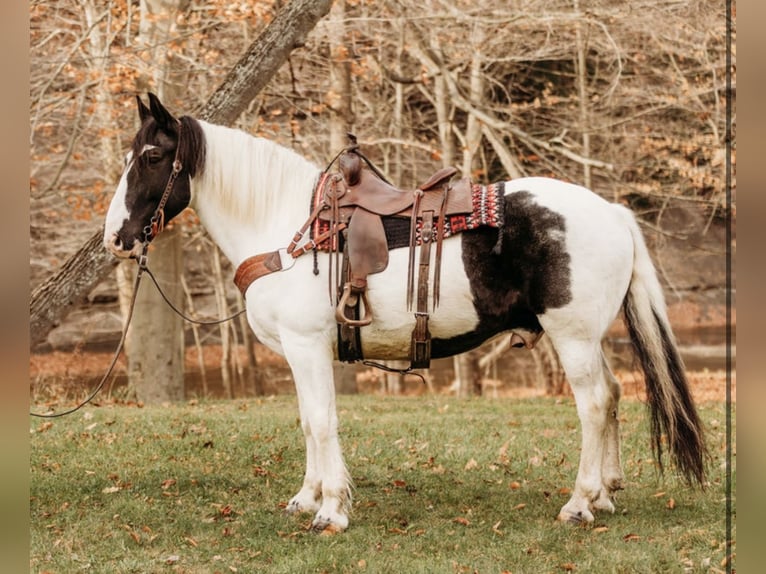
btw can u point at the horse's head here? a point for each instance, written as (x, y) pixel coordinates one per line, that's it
(156, 183)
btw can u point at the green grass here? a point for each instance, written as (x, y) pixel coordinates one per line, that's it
(441, 485)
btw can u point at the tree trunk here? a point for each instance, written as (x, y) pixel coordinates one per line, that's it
(342, 123)
(155, 344)
(155, 338)
(340, 79)
(467, 374)
(57, 296)
(582, 94)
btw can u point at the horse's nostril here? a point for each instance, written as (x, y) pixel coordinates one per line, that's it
(116, 242)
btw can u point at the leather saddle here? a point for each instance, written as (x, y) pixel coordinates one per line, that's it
(357, 201)
(363, 199)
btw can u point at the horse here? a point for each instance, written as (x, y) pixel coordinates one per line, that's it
(569, 262)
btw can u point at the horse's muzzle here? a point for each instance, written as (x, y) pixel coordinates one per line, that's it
(115, 246)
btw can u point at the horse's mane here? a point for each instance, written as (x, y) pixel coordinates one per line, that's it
(254, 176)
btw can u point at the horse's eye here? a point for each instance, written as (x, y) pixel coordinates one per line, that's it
(154, 155)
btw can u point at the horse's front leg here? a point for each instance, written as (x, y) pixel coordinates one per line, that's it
(310, 495)
(326, 484)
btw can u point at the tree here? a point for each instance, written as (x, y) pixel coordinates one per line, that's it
(56, 296)
(155, 346)
(342, 123)
(633, 101)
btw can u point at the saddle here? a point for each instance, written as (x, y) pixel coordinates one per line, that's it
(358, 200)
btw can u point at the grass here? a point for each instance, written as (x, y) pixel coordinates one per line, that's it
(441, 485)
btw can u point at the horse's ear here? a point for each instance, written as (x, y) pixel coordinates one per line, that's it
(143, 112)
(163, 117)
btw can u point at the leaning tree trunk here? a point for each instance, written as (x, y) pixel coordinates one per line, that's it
(57, 296)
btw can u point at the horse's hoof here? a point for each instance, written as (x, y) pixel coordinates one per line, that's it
(579, 517)
(325, 528)
(604, 502)
(297, 507)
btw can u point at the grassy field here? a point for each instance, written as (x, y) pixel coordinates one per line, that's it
(441, 485)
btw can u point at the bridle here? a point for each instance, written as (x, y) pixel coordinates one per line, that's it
(156, 225)
(157, 222)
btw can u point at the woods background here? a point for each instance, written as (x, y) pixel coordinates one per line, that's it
(628, 98)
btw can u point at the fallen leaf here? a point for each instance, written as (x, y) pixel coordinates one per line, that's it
(111, 489)
(461, 520)
(168, 483)
(631, 537)
(399, 484)
(172, 559)
(45, 426)
(471, 464)
(601, 529)
(496, 529)
(671, 504)
(519, 506)
(568, 566)
(658, 494)
(515, 485)
(191, 542)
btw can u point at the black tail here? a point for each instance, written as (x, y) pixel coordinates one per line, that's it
(672, 409)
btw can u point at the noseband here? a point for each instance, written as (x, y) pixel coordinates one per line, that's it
(157, 222)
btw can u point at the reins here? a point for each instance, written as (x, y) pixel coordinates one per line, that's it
(156, 225)
(141, 261)
(120, 346)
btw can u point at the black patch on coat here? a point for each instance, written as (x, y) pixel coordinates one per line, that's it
(530, 275)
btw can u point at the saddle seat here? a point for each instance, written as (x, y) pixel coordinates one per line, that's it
(369, 191)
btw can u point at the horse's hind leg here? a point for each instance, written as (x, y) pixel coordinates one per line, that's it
(326, 475)
(596, 400)
(611, 466)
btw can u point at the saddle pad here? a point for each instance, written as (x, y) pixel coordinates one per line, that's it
(488, 209)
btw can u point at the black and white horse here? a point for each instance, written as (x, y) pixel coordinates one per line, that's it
(569, 261)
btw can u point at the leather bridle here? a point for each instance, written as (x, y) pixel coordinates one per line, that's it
(157, 222)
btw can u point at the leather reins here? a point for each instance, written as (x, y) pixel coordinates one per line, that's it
(156, 225)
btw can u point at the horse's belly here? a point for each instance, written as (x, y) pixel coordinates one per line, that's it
(389, 336)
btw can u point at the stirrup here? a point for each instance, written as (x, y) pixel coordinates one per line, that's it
(340, 317)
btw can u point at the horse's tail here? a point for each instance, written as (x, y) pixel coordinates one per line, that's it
(670, 403)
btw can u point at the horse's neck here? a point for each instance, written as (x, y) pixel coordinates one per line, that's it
(253, 194)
